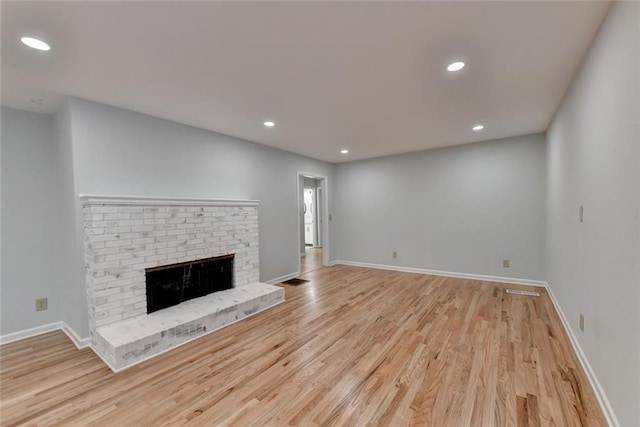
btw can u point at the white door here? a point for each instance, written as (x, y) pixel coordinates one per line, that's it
(309, 209)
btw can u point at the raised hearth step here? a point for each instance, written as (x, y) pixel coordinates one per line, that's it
(131, 341)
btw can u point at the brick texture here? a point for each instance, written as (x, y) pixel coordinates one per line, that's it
(122, 240)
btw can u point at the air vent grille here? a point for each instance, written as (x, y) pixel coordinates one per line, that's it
(519, 292)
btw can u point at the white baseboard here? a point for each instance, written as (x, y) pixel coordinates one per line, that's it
(79, 342)
(282, 278)
(31, 332)
(39, 330)
(513, 280)
(612, 420)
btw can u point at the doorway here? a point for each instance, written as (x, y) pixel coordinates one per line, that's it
(313, 234)
(312, 260)
(309, 208)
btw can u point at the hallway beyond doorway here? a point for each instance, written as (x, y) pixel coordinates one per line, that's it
(312, 260)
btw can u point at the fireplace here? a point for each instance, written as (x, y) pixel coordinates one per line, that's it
(169, 285)
(133, 242)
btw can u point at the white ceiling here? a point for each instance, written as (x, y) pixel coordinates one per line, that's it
(368, 76)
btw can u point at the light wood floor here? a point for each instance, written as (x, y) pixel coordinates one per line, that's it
(354, 346)
(312, 260)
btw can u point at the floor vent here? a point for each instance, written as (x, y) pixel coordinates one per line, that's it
(295, 282)
(527, 293)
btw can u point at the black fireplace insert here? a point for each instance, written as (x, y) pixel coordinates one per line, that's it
(170, 285)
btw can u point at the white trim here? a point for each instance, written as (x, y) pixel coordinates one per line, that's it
(282, 278)
(39, 330)
(31, 332)
(88, 199)
(512, 280)
(603, 400)
(79, 342)
(318, 195)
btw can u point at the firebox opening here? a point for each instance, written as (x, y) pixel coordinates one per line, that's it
(169, 285)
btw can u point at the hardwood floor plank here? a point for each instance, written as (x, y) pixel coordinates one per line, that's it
(353, 346)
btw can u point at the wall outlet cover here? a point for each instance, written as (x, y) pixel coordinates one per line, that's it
(506, 263)
(41, 304)
(394, 254)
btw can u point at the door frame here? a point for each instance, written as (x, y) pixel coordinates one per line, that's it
(319, 222)
(324, 185)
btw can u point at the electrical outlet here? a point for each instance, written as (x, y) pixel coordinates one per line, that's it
(394, 254)
(41, 304)
(506, 263)
(582, 322)
(581, 213)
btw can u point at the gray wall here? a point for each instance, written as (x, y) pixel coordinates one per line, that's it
(461, 209)
(310, 182)
(118, 152)
(594, 160)
(92, 148)
(29, 220)
(73, 297)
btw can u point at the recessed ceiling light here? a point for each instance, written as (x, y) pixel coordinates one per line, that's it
(269, 124)
(345, 151)
(455, 66)
(478, 128)
(35, 43)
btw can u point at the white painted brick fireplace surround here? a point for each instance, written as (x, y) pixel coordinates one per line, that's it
(124, 235)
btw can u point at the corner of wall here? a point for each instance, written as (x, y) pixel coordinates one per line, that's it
(70, 258)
